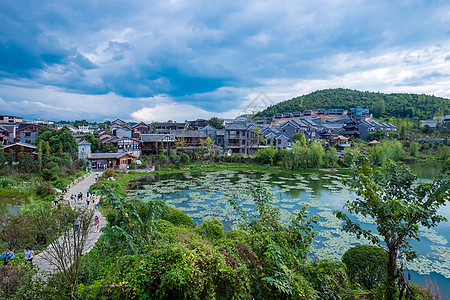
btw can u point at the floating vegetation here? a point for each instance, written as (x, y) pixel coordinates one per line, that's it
(203, 196)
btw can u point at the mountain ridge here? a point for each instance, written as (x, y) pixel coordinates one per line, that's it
(399, 105)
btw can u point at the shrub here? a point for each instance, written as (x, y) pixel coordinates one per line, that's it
(184, 158)
(366, 265)
(176, 217)
(211, 229)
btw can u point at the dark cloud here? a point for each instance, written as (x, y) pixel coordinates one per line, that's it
(193, 51)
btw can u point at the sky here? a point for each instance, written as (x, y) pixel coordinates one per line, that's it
(183, 60)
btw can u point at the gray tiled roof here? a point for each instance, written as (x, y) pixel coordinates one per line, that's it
(107, 155)
(188, 133)
(155, 137)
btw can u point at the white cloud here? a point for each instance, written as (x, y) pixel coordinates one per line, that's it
(177, 112)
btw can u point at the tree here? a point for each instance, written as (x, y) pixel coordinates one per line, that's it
(95, 142)
(379, 108)
(366, 265)
(281, 249)
(299, 137)
(398, 206)
(67, 230)
(378, 135)
(215, 122)
(181, 142)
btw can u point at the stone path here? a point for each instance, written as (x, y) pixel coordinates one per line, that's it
(81, 185)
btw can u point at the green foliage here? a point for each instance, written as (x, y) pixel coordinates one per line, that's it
(211, 229)
(266, 155)
(184, 158)
(95, 142)
(328, 278)
(59, 140)
(279, 248)
(330, 157)
(176, 217)
(302, 156)
(299, 137)
(386, 150)
(133, 227)
(398, 205)
(366, 265)
(382, 105)
(216, 123)
(377, 135)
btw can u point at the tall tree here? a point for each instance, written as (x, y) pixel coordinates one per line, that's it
(398, 206)
(216, 123)
(95, 142)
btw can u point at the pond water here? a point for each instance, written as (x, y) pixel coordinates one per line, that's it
(203, 196)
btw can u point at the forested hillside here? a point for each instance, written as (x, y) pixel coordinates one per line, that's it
(381, 105)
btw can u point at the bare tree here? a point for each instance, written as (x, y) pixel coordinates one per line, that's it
(66, 231)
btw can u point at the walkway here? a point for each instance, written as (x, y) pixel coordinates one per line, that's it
(81, 185)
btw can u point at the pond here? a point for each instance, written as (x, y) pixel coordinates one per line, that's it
(203, 196)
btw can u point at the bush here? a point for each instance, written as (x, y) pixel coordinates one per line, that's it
(176, 217)
(328, 278)
(109, 172)
(211, 229)
(184, 158)
(366, 265)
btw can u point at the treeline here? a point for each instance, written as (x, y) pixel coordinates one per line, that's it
(397, 105)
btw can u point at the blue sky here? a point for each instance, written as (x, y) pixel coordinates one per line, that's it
(160, 60)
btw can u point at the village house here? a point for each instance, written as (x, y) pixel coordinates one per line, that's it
(216, 135)
(152, 143)
(123, 131)
(18, 148)
(129, 145)
(164, 126)
(103, 161)
(27, 133)
(140, 128)
(4, 119)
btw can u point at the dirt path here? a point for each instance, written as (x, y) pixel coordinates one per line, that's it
(41, 260)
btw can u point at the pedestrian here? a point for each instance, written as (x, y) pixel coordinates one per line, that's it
(29, 253)
(56, 200)
(97, 223)
(76, 224)
(7, 255)
(96, 176)
(87, 193)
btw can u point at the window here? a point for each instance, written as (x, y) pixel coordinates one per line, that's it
(279, 141)
(27, 133)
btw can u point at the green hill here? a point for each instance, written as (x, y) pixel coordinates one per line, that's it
(380, 104)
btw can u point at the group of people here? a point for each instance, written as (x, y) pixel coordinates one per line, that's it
(90, 198)
(8, 255)
(85, 224)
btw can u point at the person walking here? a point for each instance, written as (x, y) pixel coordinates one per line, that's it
(97, 223)
(96, 176)
(76, 224)
(29, 253)
(87, 193)
(7, 255)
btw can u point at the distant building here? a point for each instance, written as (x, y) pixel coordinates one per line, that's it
(129, 145)
(4, 119)
(27, 133)
(119, 161)
(336, 111)
(18, 148)
(358, 113)
(84, 149)
(152, 143)
(430, 123)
